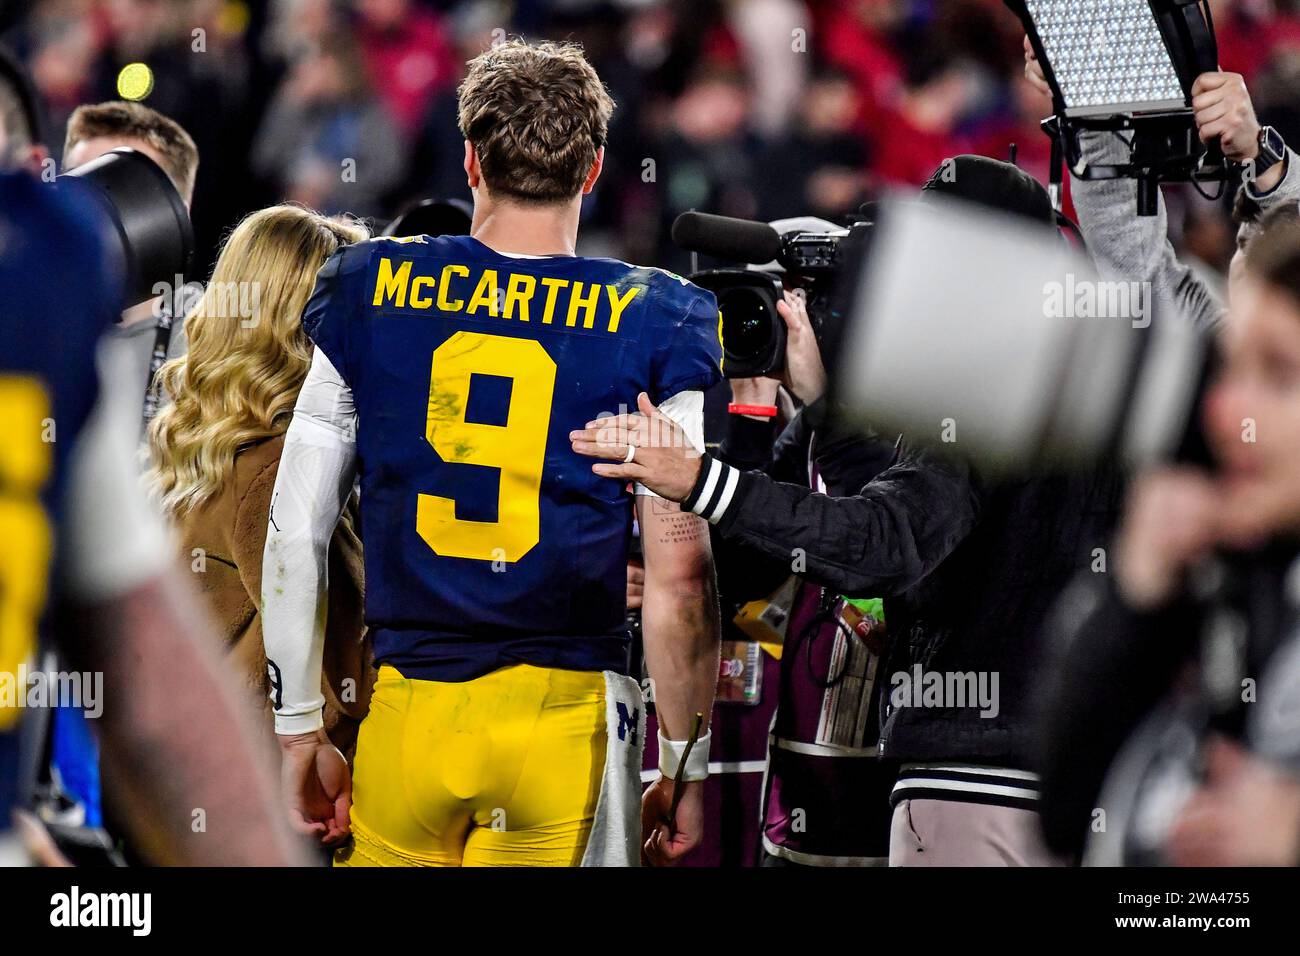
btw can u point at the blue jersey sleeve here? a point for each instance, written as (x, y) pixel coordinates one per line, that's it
(691, 356)
(333, 307)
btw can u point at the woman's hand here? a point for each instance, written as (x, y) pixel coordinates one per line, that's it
(635, 583)
(665, 461)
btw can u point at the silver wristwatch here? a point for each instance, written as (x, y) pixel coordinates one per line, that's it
(1272, 149)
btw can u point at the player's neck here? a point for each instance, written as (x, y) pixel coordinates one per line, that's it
(531, 230)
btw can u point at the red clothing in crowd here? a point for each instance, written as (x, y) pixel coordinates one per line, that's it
(1246, 43)
(408, 67)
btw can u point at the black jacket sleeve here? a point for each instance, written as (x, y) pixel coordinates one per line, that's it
(881, 541)
(743, 573)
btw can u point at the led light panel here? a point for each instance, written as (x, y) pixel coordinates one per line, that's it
(1108, 55)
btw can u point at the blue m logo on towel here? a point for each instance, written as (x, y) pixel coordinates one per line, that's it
(627, 722)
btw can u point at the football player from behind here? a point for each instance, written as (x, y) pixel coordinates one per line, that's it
(448, 373)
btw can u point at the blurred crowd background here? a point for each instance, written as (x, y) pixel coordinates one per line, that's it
(752, 108)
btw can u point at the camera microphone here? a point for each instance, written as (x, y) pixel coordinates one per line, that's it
(734, 240)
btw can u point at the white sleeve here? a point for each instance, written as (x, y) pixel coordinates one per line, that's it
(687, 410)
(113, 539)
(311, 487)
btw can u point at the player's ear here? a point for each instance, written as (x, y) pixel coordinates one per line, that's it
(596, 167)
(473, 173)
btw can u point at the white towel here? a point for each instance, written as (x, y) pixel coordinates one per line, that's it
(616, 834)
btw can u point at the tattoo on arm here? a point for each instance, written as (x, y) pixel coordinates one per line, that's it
(680, 528)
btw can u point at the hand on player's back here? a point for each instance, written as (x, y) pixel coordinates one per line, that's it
(665, 461)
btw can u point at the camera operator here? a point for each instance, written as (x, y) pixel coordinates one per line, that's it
(1137, 248)
(153, 331)
(1192, 642)
(968, 570)
(826, 793)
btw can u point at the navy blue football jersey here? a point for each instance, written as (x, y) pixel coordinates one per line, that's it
(488, 541)
(55, 300)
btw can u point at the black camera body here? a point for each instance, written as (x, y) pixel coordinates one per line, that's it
(753, 333)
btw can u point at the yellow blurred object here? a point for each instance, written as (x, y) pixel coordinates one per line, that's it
(765, 620)
(135, 81)
(26, 459)
(234, 18)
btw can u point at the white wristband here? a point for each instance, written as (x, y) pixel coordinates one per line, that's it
(290, 725)
(670, 757)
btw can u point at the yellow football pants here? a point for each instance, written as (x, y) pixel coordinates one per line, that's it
(503, 770)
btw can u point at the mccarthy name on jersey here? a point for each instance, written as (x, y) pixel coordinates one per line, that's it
(487, 540)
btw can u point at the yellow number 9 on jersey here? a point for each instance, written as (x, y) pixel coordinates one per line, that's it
(517, 448)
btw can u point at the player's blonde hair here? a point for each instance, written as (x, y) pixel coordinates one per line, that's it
(248, 353)
(536, 115)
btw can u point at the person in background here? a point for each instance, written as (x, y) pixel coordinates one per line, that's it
(768, 33)
(1137, 248)
(709, 156)
(968, 567)
(216, 449)
(20, 134)
(130, 353)
(326, 141)
(819, 169)
(152, 331)
(100, 128)
(826, 799)
(406, 56)
(59, 48)
(1170, 734)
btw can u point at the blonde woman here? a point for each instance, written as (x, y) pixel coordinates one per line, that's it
(216, 449)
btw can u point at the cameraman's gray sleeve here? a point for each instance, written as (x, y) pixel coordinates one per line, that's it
(1287, 189)
(1132, 248)
(881, 541)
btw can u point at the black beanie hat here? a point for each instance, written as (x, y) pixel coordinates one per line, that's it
(993, 183)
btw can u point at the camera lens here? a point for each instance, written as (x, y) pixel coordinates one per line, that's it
(753, 335)
(746, 323)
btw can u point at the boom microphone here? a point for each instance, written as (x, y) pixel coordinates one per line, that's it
(735, 240)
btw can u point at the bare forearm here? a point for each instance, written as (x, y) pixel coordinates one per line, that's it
(180, 756)
(684, 668)
(681, 627)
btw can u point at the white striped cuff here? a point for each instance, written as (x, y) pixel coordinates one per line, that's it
(714, 490)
